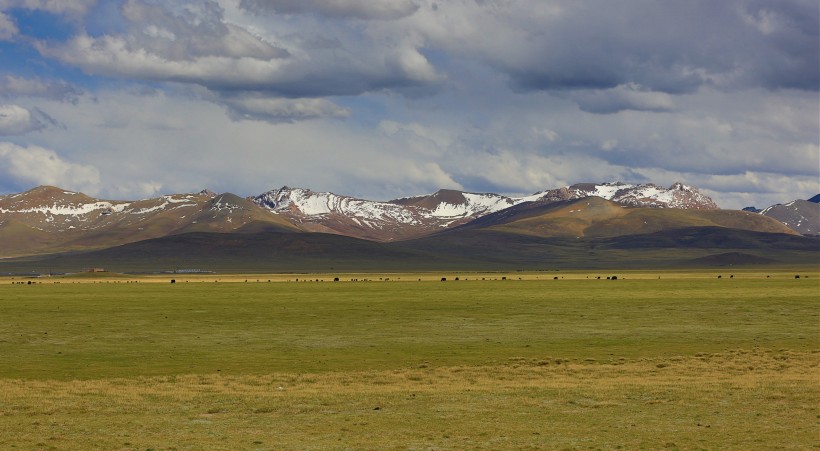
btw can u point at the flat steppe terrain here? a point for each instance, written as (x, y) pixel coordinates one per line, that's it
(667, 359)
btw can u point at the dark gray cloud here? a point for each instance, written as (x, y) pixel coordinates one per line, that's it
(622, 98)
(671, 47)
(260, 107)
(360, 9)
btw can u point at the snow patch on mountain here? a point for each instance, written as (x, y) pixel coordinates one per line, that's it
(306, 205)
(641, 195)
(474, 205)
(69, 209)
(800, 215)
(312, 205)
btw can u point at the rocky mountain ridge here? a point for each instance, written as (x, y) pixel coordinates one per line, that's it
(420, 215)
(48, 219)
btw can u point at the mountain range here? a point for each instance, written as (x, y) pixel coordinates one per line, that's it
(283, 227)
(412, 217)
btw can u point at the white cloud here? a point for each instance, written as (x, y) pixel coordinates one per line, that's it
(16, 120)
(7, 28)
(196, 45)
(408, 61)
(184, 144)
(115, 56)
(39, 166)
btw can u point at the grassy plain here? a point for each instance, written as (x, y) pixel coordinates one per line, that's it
(652, 360)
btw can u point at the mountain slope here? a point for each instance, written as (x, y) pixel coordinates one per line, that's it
(49, 219)
(596, 217)
(459, 250)
(800, 215)
(237, 252)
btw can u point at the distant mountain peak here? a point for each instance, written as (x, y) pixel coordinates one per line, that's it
(802, 216)
(635, 195)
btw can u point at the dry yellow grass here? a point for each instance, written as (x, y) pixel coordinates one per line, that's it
(743, 399)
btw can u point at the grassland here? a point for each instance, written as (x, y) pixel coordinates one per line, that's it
(652, 360)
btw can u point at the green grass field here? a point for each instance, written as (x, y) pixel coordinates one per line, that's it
(652, 360)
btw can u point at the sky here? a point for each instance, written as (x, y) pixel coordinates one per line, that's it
(384, 99)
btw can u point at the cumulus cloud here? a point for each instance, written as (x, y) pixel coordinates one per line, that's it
(197, 46)
(193, 44)
(16, 120)
(360, 9)
(39, 166)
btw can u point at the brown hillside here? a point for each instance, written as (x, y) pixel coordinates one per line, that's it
(596, 217)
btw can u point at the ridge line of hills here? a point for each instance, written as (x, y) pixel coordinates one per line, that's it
(443, 228)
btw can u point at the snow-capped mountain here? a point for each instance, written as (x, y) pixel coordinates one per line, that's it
(421, 215)
(383, 221)
(47, 219)
(642, 195)
(800, 215)
(52, 209)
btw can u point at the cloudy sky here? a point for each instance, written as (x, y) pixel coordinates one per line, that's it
(382, 99)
